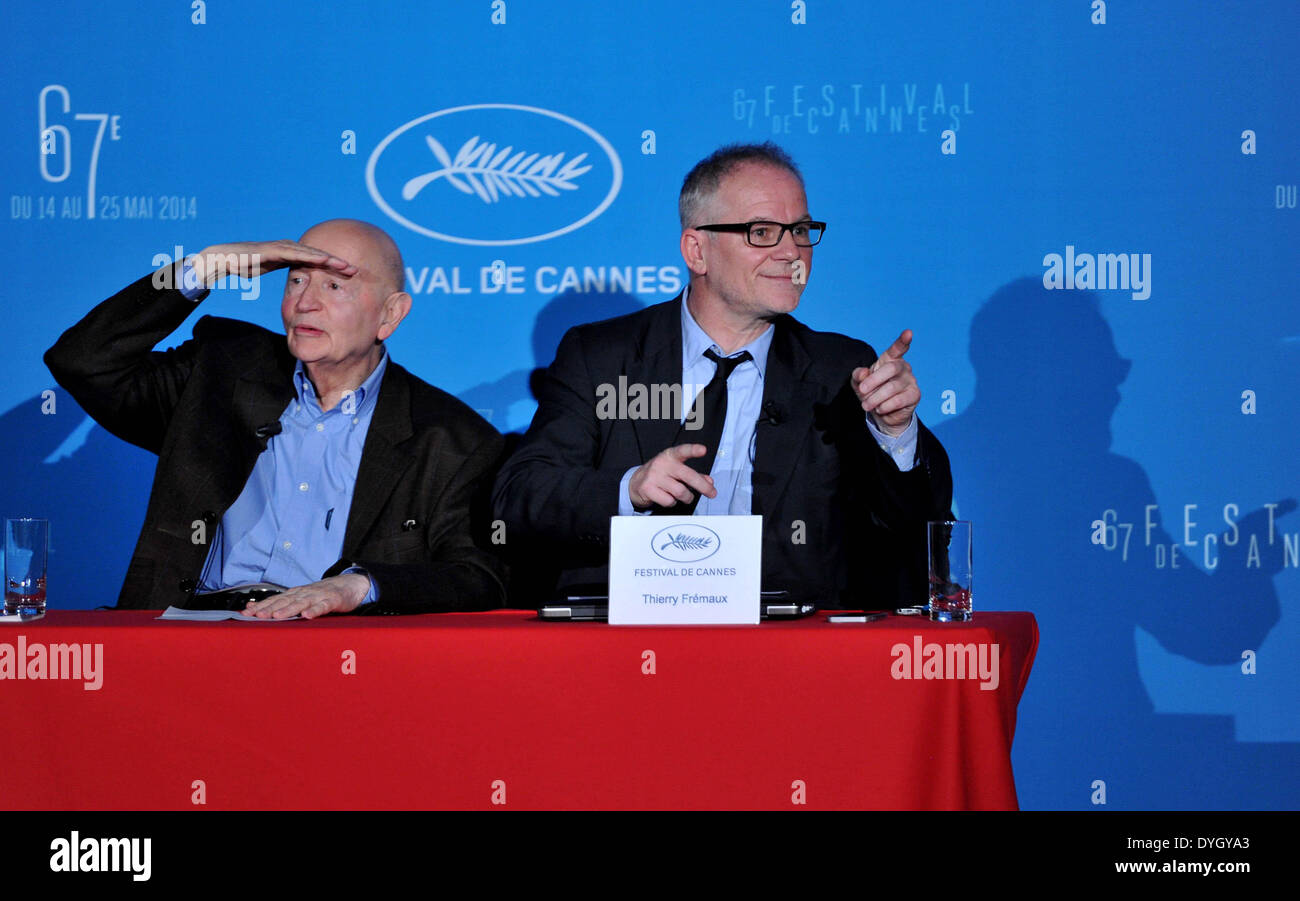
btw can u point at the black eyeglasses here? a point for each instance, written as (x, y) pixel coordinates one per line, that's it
(769, 234)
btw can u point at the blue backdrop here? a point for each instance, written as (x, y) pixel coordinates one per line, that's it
(1121, 427)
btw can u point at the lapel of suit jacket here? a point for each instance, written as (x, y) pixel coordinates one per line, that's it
(658, 362)
(785, 389)
(383, 461)
(262, 391)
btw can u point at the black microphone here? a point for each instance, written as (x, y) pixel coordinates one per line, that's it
(772, 414)
(266, 430)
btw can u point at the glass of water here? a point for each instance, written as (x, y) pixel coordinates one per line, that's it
(950, 571)
(27, 543)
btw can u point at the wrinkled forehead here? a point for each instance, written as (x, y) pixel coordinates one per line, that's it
(369, 248)
(345, 243)
(757, 190)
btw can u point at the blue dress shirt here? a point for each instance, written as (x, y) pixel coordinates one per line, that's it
(287, 525)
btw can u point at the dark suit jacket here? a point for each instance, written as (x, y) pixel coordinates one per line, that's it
(842, 525)
(198, 407)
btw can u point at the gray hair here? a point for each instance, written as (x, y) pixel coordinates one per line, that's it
(703, 181)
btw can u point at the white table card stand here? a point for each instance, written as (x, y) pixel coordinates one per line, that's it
(684, 569)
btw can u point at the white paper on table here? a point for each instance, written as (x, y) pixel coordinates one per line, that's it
(216, 616)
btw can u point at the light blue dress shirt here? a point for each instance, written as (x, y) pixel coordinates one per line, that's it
(733, 468)
(287, 525)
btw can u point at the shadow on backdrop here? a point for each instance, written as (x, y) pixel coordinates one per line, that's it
(532, 573)
(495, 400)
(1033, 469)
(91, 486)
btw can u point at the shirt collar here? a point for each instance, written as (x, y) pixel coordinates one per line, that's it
(365, 392)
(695, 341)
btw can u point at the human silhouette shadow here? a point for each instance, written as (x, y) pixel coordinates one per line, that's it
(1033, 469)
(94, 494)
(493, 400)
(533, 573)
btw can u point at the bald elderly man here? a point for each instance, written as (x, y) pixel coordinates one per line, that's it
(309, 460)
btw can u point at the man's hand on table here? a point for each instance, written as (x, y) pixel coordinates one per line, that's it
(339, 594)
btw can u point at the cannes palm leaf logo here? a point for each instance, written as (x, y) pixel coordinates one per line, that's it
(687, 543)
(479, 168)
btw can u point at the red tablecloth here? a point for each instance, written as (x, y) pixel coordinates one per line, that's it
(459, 710)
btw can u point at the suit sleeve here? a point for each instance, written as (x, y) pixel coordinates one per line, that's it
(901, 504)
(552, 487)
(107, 362)
(889, 532)
(922, 493)
(461, 573)
(900, 501)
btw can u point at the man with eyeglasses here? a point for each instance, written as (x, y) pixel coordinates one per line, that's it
(810, 429)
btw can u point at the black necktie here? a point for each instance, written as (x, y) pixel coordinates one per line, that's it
(710, 414)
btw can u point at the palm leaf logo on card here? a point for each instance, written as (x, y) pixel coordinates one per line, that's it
(685, 543)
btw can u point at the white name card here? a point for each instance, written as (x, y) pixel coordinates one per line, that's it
(684, 569)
